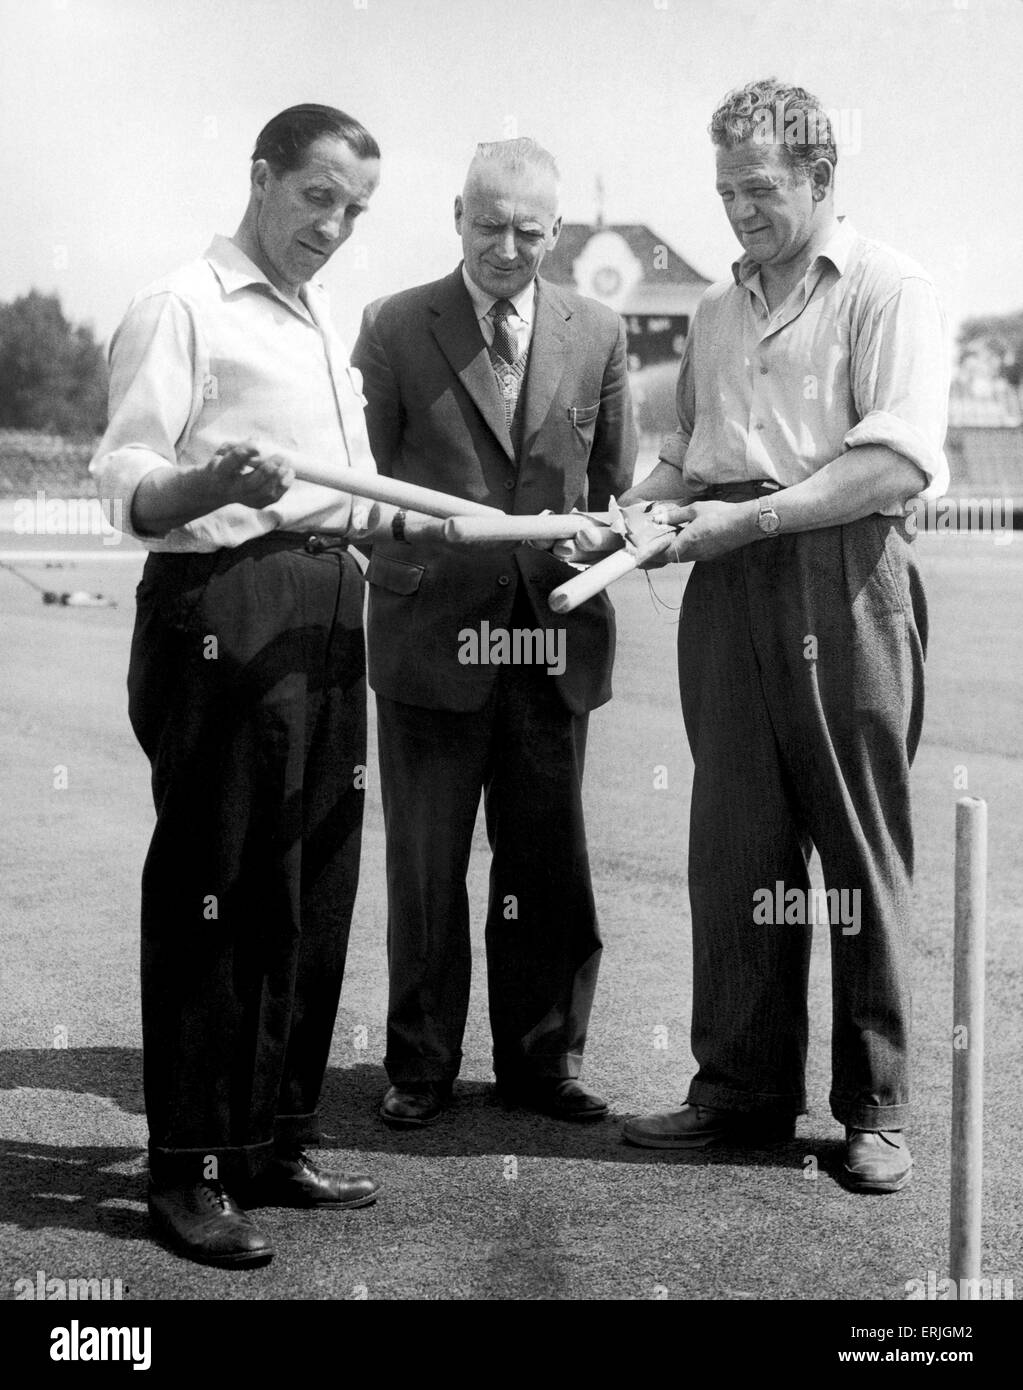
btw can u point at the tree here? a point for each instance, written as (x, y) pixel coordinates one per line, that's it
(53, 374)
(1000, 338)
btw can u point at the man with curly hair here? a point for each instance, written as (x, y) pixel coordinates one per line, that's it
(811, 402)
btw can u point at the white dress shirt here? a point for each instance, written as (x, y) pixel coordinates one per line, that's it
(857, 354)
(213, 354)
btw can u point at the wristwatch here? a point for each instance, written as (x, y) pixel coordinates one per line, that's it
(767, 518)
(398, 526)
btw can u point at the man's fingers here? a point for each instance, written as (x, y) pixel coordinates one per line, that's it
(573, 554)
(254, 481)
(267, 481)
(234, 457)
(591, 542)
(274, 468)
(669, 555)
(578, 552)
(592, 535)
(670, 513)
(282, 471)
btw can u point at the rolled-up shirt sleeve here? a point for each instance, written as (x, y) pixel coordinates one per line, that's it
(155, 392)
(900, 381)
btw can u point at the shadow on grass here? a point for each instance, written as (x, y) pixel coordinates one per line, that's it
(86, 1188)
(478, 1124)
(113, 1072)
(73, 1188)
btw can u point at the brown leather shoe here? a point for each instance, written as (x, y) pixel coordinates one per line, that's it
(699, 1126)
(206, 1224)
(415, 1104)
(293, 1180)
(876, 1160)
(562, 1098)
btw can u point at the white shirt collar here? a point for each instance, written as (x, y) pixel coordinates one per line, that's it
(483, 303)
(836, 249)
(235, 270)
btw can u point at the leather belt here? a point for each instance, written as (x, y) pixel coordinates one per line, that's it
(739, 492)
(315, 542)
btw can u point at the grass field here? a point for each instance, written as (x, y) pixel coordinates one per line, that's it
(493, 1204)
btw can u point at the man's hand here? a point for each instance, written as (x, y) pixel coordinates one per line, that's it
(238, 473)
(871, 478)
(590, 543)
(170, 497)
(663, 484)
(709, 529)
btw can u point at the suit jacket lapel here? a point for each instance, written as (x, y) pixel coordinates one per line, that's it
(547, 358)
(459, 338)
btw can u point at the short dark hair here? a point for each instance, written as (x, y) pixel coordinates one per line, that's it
(773, 112)
(284, 142)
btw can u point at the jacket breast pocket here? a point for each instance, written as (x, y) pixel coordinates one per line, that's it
(583, 416)
(396, 576)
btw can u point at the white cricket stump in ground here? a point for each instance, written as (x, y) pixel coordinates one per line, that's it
(968, 1045)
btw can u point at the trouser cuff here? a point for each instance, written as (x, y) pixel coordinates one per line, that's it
(858, 1114)
(233, 1166)
(297, 1131)
(419, 1071)
(560, 1066)
(717, 1097)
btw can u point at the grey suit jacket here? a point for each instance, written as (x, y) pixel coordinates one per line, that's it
(436, 418)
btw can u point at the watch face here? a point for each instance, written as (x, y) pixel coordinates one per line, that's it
(769, 521)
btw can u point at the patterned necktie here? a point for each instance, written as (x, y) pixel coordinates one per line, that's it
(504, 340)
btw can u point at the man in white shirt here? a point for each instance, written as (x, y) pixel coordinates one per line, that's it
(246, 688)
(811, 400)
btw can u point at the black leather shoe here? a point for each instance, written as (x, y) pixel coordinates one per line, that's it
(415, 1104)
(699, 1126)
(293, 1180)
(560, 1097)
(206, 1224)
(876, 1160)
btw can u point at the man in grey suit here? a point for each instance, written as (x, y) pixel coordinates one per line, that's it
(498, 387)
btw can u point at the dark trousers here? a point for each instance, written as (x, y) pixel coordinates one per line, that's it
(524, 751)
(247, 693)
(801, 674)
